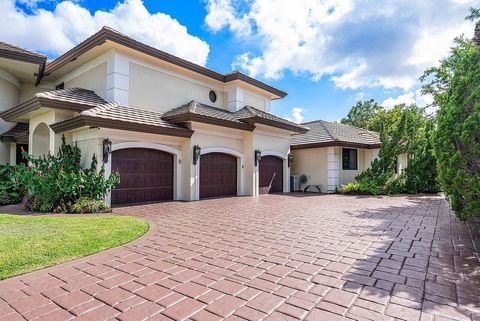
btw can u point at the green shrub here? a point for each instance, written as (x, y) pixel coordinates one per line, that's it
(455, 86)
(10, 191)
(87, 205)
(361, 188)
(405, 130)
(54, 183)
(7, 198)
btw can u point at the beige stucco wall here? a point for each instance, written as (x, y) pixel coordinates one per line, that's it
(8, 99)
(254, 101)
(311, 162)
(27, 91)
(402, 162)
(370, 155)
(155, 90)
(94, 79)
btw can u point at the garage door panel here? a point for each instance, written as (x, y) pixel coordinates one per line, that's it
(271, 175)
(218, 175)
(146, 175)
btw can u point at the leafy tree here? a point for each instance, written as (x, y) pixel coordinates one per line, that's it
(403, 129)
(365, 114)
(455, 86)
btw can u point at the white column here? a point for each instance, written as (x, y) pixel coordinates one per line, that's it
(13, 154)
(333, 169)
(235, 99)
(286, 176)
(118, 73)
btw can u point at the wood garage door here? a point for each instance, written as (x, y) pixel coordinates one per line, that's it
(271, 175)
(218, 175)
(146, 175)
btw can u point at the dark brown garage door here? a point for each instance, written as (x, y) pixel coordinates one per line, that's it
(218, 175)
(271, 175)
(146, 175)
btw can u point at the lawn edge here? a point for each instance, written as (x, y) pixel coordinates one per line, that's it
(152, 227)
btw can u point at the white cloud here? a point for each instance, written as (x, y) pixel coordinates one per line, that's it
(221, 14)
(296, 115)
(54, 32)
(358, 43)
(407, 99)
(359, 96)
(410, 97)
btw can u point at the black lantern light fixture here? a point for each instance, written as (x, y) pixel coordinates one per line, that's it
(107, 149)
(258, 156)
(196, 154)
(290, 160)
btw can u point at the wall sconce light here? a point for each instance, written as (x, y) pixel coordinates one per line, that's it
(258, 156)
(196, 154)
(290, 160)
(107, 149)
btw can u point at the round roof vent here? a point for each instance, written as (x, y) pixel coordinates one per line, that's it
(213, 96)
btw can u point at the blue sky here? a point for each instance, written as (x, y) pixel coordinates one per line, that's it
(326, 54)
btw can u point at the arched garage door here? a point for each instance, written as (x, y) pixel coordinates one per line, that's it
(218, 175)
(146, 175)
(271, 175)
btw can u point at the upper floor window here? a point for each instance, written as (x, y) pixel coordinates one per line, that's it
(349, 159)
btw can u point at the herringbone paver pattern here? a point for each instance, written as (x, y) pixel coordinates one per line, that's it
(276, 257)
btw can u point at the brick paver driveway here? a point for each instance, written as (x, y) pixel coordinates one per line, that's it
(278, 257)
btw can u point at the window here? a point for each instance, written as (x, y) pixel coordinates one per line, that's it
(19, 156)
(60, 86)
(349, 159)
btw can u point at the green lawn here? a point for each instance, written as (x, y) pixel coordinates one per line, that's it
(28, 243)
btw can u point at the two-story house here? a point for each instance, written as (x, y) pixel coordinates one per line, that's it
(173, 129)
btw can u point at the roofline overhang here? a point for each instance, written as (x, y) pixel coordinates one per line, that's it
(19, 137)
(192, 117)
(259, 120)
(39, 102)
(107, 34)
(24, 57)
(98, 122)
(333, 144)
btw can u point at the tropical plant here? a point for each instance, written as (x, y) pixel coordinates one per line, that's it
(55, 183)
(455, 86)
(404, 130)
(10, 192)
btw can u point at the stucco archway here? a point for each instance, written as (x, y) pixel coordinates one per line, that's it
(41, 140)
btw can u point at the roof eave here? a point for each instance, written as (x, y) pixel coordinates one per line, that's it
(192, 117)
(21, 109)
(106, 34)
(37, 60)
(260, 120)
(82, 121)
(332, 144)
(255, 82)
(39, 102)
